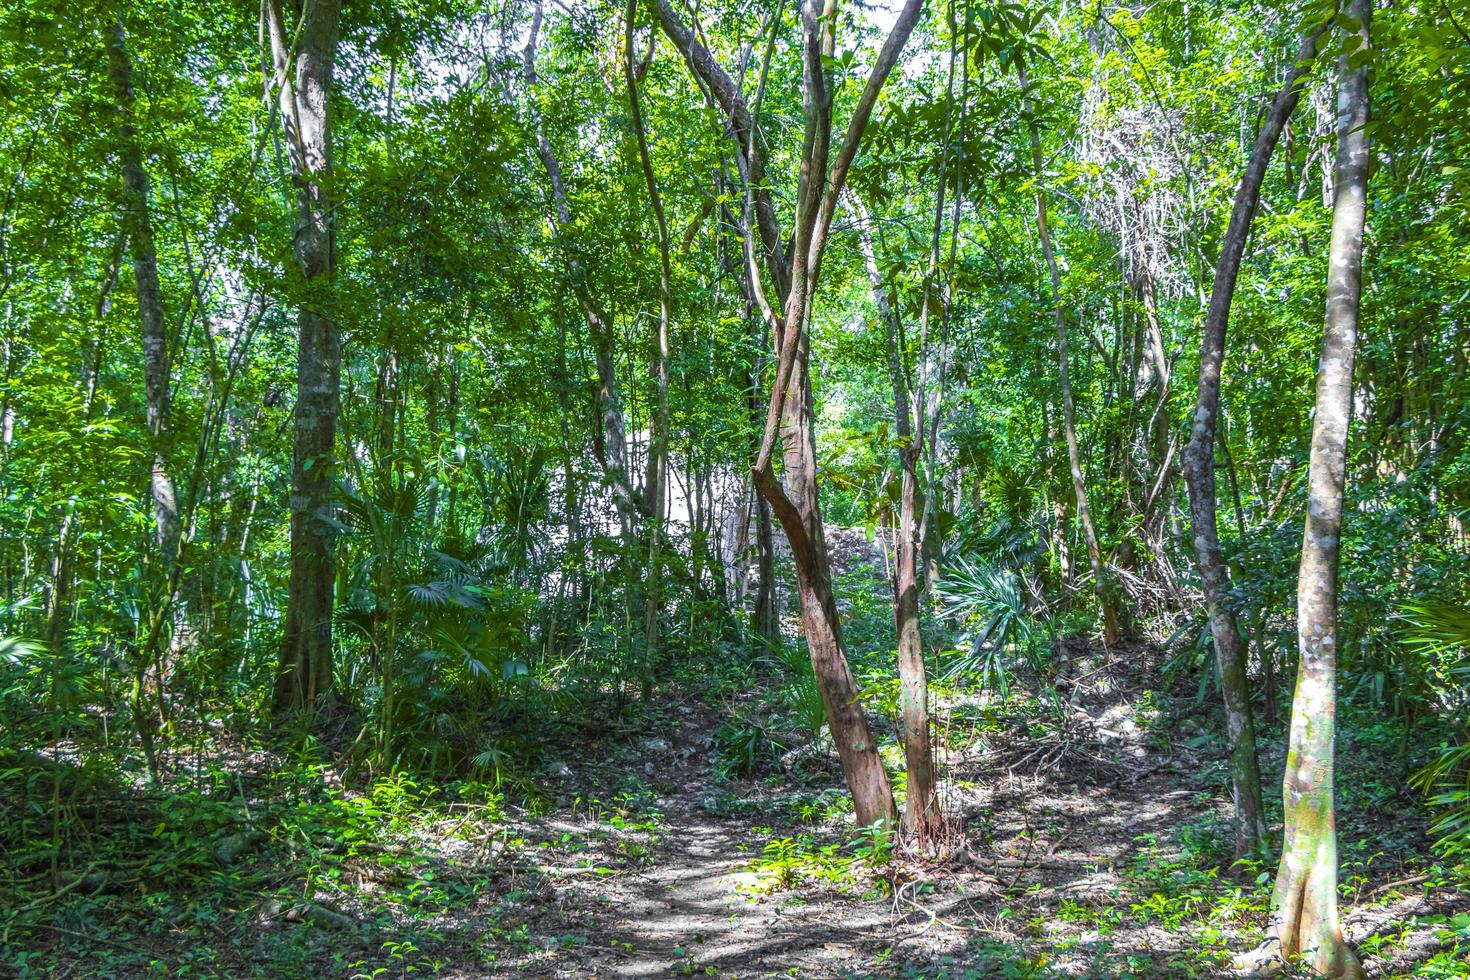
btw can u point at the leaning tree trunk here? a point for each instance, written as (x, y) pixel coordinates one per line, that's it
(1304, 903)
(790, 414)
(1199, 471)
(304, 678)
(799, 511)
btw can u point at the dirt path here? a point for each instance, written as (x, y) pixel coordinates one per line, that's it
(1081, 856)
(685, 912)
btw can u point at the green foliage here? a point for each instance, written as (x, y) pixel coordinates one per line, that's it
(988, 601)
(800, 861)
(495, 599)
(1438, 636)
(743, 746)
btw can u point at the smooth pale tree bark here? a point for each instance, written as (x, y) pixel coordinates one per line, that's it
(152, 328)
(921, 815)
(1199, 469)
(1157, 475)
(790, 416)
(1069, 422)
(654, 494)
(1304, 903)
(302, 59)
(153, 335)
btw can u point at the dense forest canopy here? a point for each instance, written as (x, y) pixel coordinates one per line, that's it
(455, 457)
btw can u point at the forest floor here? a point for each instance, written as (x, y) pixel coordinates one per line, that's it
(1086, 838)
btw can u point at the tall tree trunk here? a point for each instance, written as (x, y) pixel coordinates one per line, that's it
(153, 331)
(654, 490)
(304, 678)
(1304, 903)
(790, 416)
(921, 815)
(766, 614)
(931, 524)
(1069, 426)
(599, 327)
(798, 509)
(1199, 470)
(1159, 474)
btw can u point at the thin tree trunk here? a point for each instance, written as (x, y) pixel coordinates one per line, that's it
(1069, 426)
(1157, 477)
(766, 616)
(1304, 903)
(921, 815)
(931, 529)
(790, 415)
(153, 330)
(767, 613)
(304, 679)
(799, 511)
(1199, 472)
(599, 328)
(654, 490)
(153, 333)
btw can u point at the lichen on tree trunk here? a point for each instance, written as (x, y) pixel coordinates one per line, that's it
(302, 78)
(1199, 471)
(1304, 903)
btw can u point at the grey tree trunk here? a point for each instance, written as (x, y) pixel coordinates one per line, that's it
(766, 614)
(153, 335)
(599, 328)
(1069, 422)
(152, 328)
(921, 815)
(1199, 470)
(654, 494)
(1304, 903)
(302, 78)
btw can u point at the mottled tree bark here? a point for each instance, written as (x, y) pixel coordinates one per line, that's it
(153, 331)
(921, 815)
(658, 445)
(1304, 903)
(153, 335)
(1199, 470)
(302, 65)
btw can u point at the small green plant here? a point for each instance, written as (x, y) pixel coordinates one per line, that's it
(988, 600)
(874, 844)
(1437, 636)
(743, 745)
